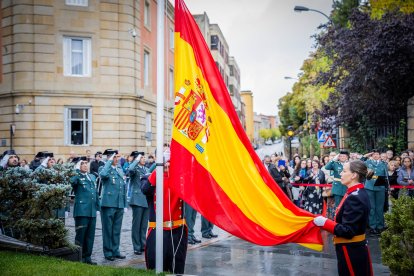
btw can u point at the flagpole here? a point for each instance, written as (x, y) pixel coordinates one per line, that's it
(160, 138)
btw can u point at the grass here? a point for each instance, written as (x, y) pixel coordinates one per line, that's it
(14, 263)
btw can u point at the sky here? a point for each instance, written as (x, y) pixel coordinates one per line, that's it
(268, 40)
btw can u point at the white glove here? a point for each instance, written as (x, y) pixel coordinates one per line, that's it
(4, 161)
(125, 210)
(44, 162)
(336, 157)
(112, 157)
(138, 157)
(320, 221)
(98, 213)
(66, 214)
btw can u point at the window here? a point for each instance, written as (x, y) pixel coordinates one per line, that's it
(83, 3)
(171, 39)
(78, 126)
(231, 67)
(147, 14)
(146, 68)
(171, 83)
(214, 42)
(77, 56)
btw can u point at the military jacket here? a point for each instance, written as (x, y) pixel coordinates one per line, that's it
(337, 187)
(135, 173)
(86, 197)
(380, 174)
(114, 189)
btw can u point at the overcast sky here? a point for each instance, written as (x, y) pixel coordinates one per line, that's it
(268, 40)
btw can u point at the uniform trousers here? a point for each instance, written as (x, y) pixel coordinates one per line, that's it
(139, 227)
(175, 244)
(190, 218)
(111, 230)
(85, 236)
(353, 259)
(206, 226)
(376, 214)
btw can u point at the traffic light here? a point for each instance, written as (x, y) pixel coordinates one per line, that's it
(290, 131)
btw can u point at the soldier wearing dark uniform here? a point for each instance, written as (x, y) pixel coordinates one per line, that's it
(337, 165)
(85, 208)
(350, 222)
(113, 202)
(175, 232)
(138, 202)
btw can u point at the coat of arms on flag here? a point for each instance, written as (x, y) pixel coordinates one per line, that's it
(191, 117)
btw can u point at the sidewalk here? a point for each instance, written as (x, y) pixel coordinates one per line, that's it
(126, 243)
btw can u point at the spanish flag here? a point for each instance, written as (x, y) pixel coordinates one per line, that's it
(213, 165)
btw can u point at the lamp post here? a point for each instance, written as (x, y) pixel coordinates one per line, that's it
(290, 78)
(290, 133)
(305, 9)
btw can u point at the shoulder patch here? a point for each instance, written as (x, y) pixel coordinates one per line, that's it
(355, 192)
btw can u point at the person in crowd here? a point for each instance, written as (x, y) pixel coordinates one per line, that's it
(96, 164)
(190, 217)
(327, 191)
(175, 237)
(24, 164)
(48, 162)
(392, 180)
(375, 188)
(299, 176)
(404, 154)
(383, 157)
(410, 154)
(350, 222)
(397, 160)
(150, 161)
(9, 160)
(309, 164)
(336, 165)
(406, 176)
(113, 205)
(312, 196)
(281, 175)
(60, 161)
(36, 161)
(138, 202)
(85, 208)
(128, 162)
(390, 155)
(72, 155)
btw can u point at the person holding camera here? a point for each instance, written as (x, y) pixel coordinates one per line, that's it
(113, 205)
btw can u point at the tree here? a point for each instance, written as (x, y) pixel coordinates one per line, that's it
(372, 67)
(266, 134)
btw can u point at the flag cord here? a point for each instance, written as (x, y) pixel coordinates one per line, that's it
(171, 234)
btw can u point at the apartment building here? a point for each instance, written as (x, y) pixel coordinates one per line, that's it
(80, 75)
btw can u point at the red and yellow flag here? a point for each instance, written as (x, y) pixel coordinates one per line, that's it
(213, 165)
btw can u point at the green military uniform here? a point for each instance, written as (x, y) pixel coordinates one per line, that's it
(84, 211)
(139, 205)
(113, 202)
(338, 190)
(376, 192)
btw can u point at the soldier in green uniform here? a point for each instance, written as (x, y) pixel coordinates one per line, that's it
(113, 203)
(138, 202)
(376, 190)
(85, 208)
(336, 165)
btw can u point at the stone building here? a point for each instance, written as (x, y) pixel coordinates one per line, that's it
(80, 75)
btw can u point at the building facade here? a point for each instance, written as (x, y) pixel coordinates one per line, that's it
(247, 99)
(81, 75)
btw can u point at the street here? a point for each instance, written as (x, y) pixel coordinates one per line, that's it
(229, 255)
(270, 149)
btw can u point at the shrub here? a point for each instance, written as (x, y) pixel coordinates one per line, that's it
(397, 242)
(29, 202)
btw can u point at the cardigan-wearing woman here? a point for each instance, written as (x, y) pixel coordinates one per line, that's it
(312, 196)
(350, 222)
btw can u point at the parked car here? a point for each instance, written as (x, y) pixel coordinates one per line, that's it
(268, 142)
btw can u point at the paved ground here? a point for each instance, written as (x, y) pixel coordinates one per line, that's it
(228, 255)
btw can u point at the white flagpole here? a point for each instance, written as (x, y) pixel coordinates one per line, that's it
(160, 138)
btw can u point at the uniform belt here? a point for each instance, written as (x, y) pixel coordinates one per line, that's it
(358, 238)
(337, 179)
(168, 224)
(375, 177)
